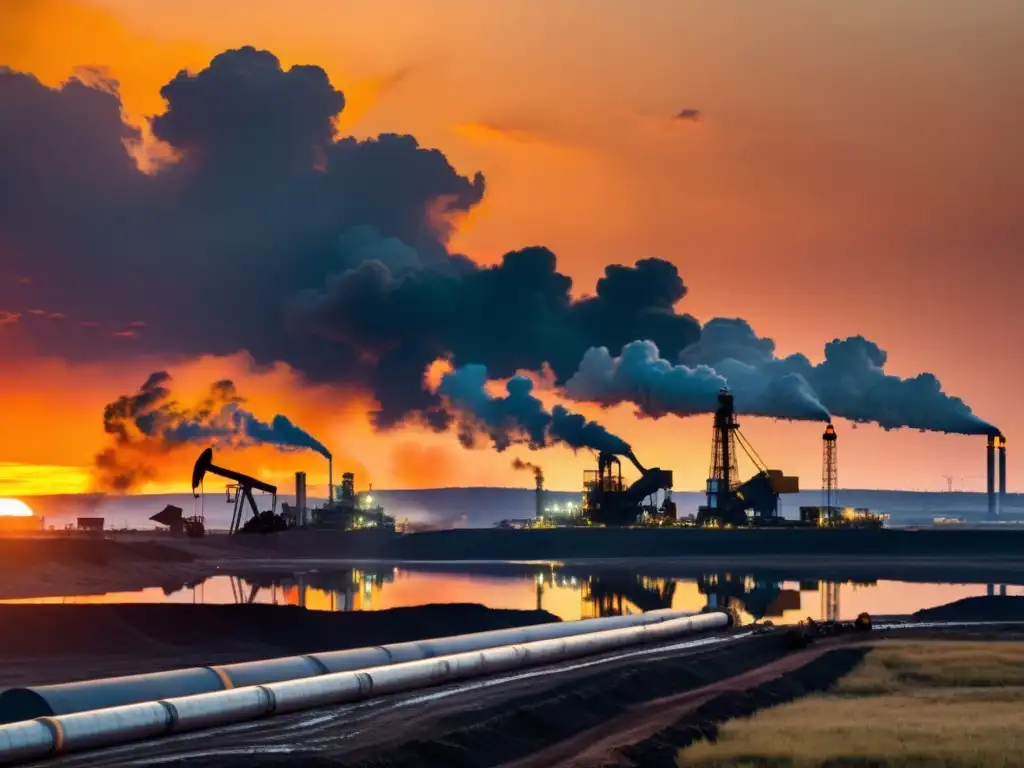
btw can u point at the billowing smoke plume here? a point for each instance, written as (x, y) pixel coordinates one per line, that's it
(538, 473)
(331, 254)
(850, 382)
(150, 423)
(518, 416)
(342, 243)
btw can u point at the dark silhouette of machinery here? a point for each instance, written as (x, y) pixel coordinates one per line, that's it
(609, 594)
(729, 502)
(607, 500)
(238, 493)
(173, 517)
(351, 509)
(759, 596)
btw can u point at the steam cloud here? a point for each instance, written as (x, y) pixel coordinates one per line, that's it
(343, 245)
(851, 382)
(518, 416)
(149, 423)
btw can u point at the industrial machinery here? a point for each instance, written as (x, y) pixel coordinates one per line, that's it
(806, 632)
(351, 510)
(607, 500)
(238, 493)
(730, 503)
(173, 517)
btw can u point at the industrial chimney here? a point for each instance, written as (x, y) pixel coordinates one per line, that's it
(1001, 445)
(539, 476)
(300, 498)
(330, 480)
(990, 456)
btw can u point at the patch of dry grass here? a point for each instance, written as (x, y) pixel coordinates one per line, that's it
(930, 703)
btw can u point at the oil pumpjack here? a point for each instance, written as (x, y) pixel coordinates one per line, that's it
(238, 493)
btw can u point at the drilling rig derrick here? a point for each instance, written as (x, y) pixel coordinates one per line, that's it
(729, 502)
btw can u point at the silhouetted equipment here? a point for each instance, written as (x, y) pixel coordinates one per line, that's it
(301, 515)
(1001, 447)
(238, 493)
(806, 632)
(841, 517)
(990, 473)
(90, 524)
(730, 503)
(173, 517)
(351, 510)
(829, 468)
(607, 500)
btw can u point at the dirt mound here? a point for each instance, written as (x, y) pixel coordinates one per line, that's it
(18, 552)
(986, 608)
(60, 643)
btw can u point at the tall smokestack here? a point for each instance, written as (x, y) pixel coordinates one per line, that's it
(991, 475)
(330, 479)
(539, 476)
(1002, 472)
(300, 497)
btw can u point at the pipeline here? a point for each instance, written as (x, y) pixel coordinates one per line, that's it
(17, 704)
(46, 736)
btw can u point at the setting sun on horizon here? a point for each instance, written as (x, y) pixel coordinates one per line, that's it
(14, 508)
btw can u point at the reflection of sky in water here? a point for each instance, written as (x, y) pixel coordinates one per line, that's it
(567, 596)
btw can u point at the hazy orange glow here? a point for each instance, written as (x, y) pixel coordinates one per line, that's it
(823, 193)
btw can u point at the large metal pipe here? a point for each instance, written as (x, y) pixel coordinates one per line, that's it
(17, 704)
(990, 460)
(21, 742)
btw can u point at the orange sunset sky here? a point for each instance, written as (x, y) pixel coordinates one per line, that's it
(857, 168)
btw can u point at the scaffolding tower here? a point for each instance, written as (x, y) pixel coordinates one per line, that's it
(829, 469)
(724, 475)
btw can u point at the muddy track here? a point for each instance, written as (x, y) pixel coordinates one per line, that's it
(703, 721)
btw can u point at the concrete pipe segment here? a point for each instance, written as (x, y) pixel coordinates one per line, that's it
(17, 704)
(45, 736)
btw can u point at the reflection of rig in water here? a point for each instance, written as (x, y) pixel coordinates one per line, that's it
(615, 594)
(351, 589)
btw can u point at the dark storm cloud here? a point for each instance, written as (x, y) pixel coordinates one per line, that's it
(209, 250)
(246, 114)
(850, 382)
